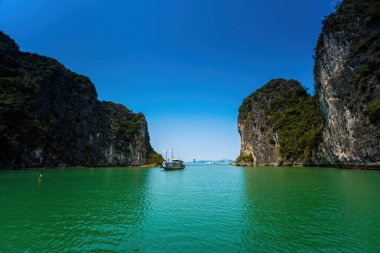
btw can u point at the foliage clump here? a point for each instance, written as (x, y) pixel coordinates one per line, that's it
(244, 159)
(373, 111)
(17, 125)
(131, 125)
(349, 10)
(154, 159)
(355, 24)
(297, 119)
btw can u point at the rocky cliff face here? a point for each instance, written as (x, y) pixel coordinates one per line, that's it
(347, 83)
(347, 87)
(50, 116)
(279, 124)
(259, 141)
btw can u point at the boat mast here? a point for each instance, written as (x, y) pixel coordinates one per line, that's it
(172, 154)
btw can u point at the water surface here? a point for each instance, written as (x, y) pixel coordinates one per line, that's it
(214, 208)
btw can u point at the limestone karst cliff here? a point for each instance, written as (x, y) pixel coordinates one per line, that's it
(279, 124)
(50, 116)
(347, 98)
(347, 83)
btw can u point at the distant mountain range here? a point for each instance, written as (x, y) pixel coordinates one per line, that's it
(223, 161)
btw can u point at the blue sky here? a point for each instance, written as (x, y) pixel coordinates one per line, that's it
(187, 65)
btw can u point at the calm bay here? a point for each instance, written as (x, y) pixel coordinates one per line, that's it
(212, 208)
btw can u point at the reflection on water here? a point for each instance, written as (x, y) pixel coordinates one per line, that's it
(311, 209)
(194, 210)
(77, 210)
(211, 208)
(39, 180)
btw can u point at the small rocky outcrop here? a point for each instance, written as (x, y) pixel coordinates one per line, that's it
(50, 116)
(279, 124)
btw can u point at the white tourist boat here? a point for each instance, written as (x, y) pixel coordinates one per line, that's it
(173, 163)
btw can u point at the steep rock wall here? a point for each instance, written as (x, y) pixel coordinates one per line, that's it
(279, 124)
(50, 116)
(344, 130)
(347, 83)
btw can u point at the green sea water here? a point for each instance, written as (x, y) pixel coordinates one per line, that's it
(214, 208)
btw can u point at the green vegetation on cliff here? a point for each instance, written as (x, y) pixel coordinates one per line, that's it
(244, 159)
(17, 125)
(355, 23)
(131, 124)
(298, 121)
(347, 11)
(373, 111)
(279, 123)
(154, 159)
(347, 78)
(50, 116)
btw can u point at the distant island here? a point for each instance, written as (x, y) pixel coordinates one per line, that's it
(222, 161)
(280, 124)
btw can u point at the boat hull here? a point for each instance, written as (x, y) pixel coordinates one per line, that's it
(174, 164)
(173, 167)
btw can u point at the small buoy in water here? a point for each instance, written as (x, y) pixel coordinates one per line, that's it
(39, 179)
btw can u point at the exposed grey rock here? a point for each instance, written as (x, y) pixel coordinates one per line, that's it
(347, 81)
(279, 124)
(347, 87)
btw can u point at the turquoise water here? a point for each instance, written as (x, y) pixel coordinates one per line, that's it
(215, 208)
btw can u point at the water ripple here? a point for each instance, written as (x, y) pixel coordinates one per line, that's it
(203, 208)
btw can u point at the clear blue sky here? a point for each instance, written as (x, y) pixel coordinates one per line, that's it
(187, 65)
